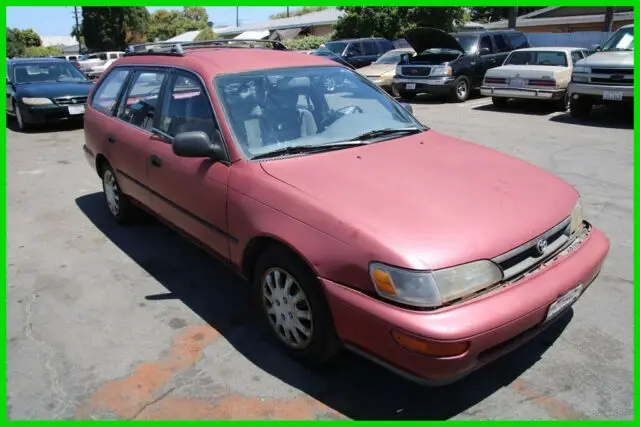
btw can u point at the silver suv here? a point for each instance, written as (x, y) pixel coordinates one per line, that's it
(606, 77)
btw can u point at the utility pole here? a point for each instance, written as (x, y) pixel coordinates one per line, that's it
(287, 11)
(237, 16)
(75, 14)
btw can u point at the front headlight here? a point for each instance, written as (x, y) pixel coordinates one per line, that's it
(433, 288)
(441, 71)
(582, 70)
(577, 218)
(398, 70)
(36, 101)
(579, 78)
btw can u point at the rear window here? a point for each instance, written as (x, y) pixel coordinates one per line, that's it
(537, 57)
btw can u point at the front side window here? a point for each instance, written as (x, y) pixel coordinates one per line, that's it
(107, 93)
(138, 106)
(485, 43)
(370, 47)
(537, 57)
(335, 47)
(41, 72)
(468, 42)
(270, 110)
(186, 107)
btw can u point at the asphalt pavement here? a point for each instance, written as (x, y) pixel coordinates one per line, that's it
(107, 322)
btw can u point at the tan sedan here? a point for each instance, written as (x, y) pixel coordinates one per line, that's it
(382, 71)
(537, 73)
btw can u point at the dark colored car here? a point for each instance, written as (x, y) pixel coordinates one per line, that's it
(359, 52)
(452, 64)
(42, 90)
(331, 84)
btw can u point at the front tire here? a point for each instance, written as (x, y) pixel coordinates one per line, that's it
(293, 304)
(461, 89)
(562, 104)
(22, 126)
(406, 95)
(118, 204)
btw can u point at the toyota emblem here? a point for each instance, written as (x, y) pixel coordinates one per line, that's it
(541, 246)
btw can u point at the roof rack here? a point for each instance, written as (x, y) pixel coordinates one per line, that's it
(178, 48)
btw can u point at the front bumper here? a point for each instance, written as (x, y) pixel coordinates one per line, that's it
(493, 324)
(509, 92)
(600, 94)
(41, 114)
(430, 85)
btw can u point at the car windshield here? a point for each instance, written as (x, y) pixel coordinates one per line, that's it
(391, 57)
(537, 57)
(467, 42)
(269, 110)
(335, 47)
(46, 72)
(622, 40)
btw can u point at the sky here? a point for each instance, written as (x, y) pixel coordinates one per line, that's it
(58, 20)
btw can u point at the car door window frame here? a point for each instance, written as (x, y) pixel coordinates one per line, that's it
(121, 91)
(507, 45)
(137, 70)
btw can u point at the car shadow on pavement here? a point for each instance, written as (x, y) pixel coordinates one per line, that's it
(520, 107)
(601, 118)
(60, 126)
(351, 385)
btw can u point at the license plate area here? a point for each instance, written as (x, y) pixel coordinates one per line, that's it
(564, 301)
(612, 96)
(410, 86)
(76, 109)
(516, 83)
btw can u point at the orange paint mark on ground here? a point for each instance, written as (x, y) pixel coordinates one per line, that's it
(127, 396)
(557, 409)
(236, 407)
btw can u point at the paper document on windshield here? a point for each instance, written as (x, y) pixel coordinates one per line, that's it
(625, 42)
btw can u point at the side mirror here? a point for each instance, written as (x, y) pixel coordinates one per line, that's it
(484, 51)
(407, 107)
(595, 48)
(197, 144)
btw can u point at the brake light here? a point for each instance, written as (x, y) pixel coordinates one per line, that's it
(546, 83)
(495, 80)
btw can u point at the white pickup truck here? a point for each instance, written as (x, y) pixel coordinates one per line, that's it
(606, 77)
(89, 63)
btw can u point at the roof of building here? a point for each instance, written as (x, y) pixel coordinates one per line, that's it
(189, 36)
(327, 16)
(538, 18)
(58, 41)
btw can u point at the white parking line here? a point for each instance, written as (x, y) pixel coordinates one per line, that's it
(475, 103)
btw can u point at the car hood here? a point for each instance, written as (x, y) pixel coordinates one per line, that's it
(54, 90)
(377, 69)
(435, 200)
(608, 59)
(422, 39)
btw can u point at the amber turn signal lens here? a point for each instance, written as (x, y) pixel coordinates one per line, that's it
(430, 348)
(383, 282)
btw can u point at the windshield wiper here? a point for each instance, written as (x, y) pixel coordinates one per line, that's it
(384, 132)
(299, 149)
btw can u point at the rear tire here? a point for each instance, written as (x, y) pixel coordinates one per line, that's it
(562, 104)
(499, 102)
(580, 109)
(297, 314)
(118, 204)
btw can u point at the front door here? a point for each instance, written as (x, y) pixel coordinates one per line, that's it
(190, 193)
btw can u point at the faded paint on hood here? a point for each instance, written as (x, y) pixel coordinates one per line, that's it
(623, 59)
(435, 200)
(375, 70)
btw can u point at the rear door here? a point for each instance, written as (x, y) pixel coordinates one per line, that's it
(190, 193)
(502, 49)
(354, 55)
(130, 139)
(486, 60)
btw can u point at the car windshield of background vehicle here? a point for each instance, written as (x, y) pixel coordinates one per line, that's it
(468, 42)
(550, 58)
(390, 58)
(273, 109)
(622, 40)
(335, 47)
(46, 72)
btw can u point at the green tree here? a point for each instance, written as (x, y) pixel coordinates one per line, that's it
(42, 51)
(112, 28)
(306, 43)
(393, 22)
(28, 37)
(206, 34)
(298, 12)
(170, 23)
(492, 14)
(15, 47)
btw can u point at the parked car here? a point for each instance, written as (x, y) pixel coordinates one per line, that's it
(93, 60)
(97, 70)
(606, 77)
(331, 84)
(42, 90)
(359, 52)
(357, 225)
(535, 73)
(381, 72)
(452, 65)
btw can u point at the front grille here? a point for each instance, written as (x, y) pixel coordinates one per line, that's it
(69, 100)
(606, 81)
(526, 257)
(612, 71)
(416, 71)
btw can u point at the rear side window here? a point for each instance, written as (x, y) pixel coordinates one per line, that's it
(485, 42)
(186, 107)
(106, 95)
(501, 43)
(518, 41)
(370, 47)
(576, 56)
(139, 104)
(354, 49)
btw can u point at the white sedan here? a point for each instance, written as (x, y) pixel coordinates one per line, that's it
(536, 73)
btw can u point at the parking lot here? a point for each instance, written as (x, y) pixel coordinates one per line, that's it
(113, 323)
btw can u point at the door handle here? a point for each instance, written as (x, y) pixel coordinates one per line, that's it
(111, 139)
(155, 161)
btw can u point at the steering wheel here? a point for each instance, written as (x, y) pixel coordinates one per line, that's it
(341, 112)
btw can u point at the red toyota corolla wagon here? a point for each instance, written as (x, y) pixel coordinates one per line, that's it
(358, 226)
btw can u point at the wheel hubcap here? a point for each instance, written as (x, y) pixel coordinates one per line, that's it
(287, 308)
(461, 89)
(111, 192)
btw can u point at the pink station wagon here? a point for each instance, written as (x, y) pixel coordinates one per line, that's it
(357, 226)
